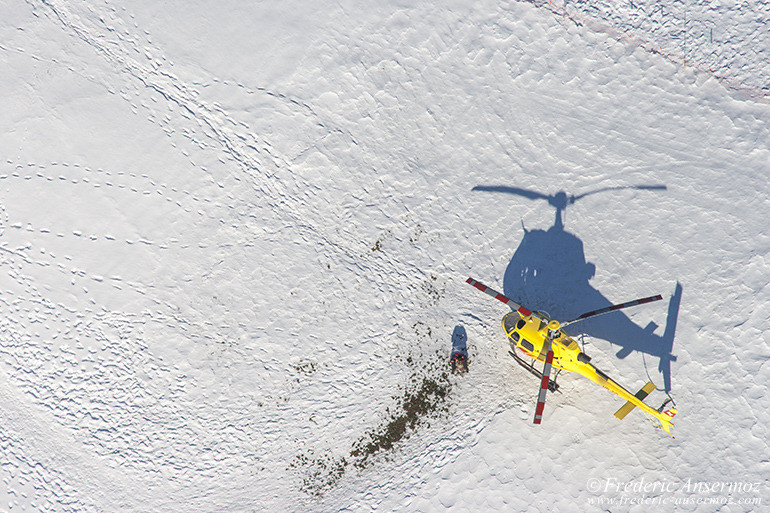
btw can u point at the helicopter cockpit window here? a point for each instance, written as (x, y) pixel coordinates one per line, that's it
(515, 336)
(526, 344)
(520, 324)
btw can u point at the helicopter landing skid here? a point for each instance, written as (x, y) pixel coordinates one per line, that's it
(552, 385)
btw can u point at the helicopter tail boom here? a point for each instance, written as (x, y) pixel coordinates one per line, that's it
(634, 400)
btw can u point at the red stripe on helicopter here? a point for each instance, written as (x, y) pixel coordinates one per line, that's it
(476, 284)
(543, 388)
(508, 301)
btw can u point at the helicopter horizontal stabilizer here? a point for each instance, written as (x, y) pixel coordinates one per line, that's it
(663, 417)
(641, 394)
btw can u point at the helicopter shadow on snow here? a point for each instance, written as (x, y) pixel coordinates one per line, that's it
(549, 272)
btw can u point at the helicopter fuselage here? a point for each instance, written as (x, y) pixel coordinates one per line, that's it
(529, 333)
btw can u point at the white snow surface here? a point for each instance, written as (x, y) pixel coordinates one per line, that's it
(234, 235)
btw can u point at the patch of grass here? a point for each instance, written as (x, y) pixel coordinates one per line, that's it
(415, 405)
(305, 367)
(320, 473)
(424, 397)
(431, 289)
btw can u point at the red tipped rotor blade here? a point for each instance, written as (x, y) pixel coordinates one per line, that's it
(544, 384)
(510, 302)
(612, 308)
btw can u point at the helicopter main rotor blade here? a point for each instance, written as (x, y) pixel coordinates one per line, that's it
(544, 383)
(612, 308)
(510, 302)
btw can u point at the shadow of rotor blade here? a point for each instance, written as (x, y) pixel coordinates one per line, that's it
(526, 193)
(659, 187)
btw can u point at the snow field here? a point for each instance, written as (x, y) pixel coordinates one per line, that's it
(226, 248)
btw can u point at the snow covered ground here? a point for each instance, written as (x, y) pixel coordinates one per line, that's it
(234, 239)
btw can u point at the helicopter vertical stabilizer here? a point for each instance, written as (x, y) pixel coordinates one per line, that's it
(665, 420)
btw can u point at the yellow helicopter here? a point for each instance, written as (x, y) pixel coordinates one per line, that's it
(544, 340)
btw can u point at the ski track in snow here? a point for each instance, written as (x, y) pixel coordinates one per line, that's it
(220, 280)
